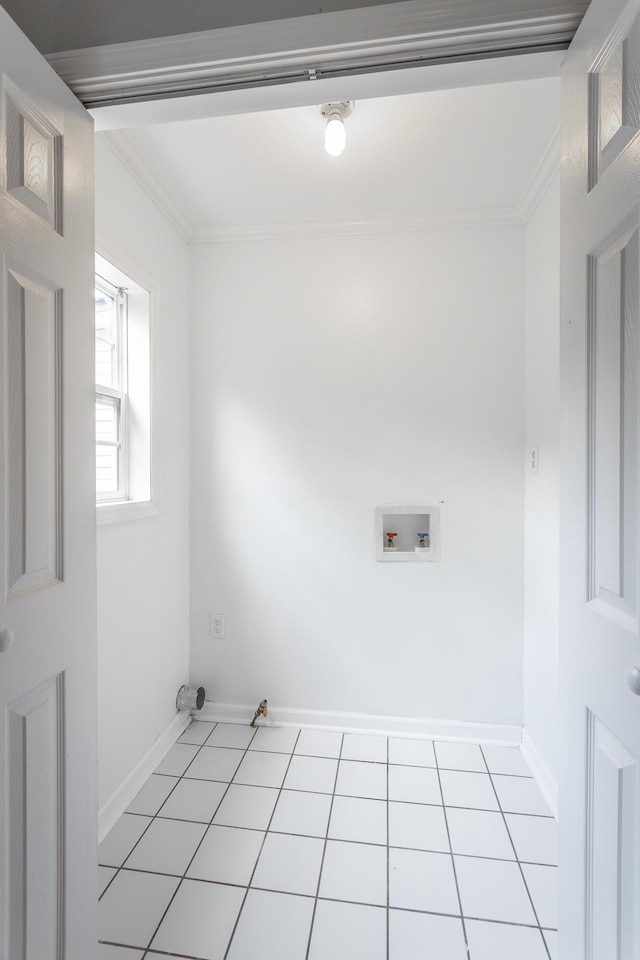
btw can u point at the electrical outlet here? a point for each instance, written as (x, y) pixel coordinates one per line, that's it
(533, 459)
(216, 626)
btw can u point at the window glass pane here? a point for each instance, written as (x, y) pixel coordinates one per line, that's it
(107, 419)
(106, 338)
(107, 467)
(107, 444)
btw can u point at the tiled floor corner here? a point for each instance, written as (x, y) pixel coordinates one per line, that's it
(318, 845)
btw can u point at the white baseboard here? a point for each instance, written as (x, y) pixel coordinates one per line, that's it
(540, 771)
(409, 727)
(118, 802)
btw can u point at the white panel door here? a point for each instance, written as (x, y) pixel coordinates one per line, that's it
(600, 363)
(47, 514)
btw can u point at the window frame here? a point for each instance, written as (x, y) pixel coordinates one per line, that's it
(119, 394)
(143, 459)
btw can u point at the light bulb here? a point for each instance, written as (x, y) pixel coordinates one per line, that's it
(334, 133)
(334, 136)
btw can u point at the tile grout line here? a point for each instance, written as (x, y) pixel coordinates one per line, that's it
(153, 816)
(264, 840)
(314, 836)
(373, 763)
(376, 906)
(453, 862)
(524, 879)
(324, 849)
(167, 953)
(148, 955)
(147, 952)
(360, 903)
(174, 787)
(429, 766)
(324, 793)
(182, 878)
(351, 796)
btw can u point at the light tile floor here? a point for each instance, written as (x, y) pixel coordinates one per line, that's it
(310, 845)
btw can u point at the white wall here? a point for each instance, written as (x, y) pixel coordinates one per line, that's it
(143, 565)
(542, 379)
(329, 376)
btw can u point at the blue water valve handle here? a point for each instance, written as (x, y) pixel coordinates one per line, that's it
(423, 534)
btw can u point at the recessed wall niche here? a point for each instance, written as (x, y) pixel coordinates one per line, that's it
(407, 533)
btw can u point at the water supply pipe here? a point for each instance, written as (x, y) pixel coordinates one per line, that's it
(260, 711)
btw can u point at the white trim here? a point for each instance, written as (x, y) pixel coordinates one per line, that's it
(338, 43)
(443, 76)
(543, 176)
(621, 618)
(120, 799)
(123, 510)
(134, 162)
(410, 727)
(498, 216)
(547, 783)
(136, 509)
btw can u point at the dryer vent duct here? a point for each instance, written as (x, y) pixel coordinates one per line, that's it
(190, 698)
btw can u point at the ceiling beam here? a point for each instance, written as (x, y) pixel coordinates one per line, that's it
(344, 44)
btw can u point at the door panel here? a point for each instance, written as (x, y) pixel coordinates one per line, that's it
(33, 433)
(613, 424)
(34, 150)
(600, 366)
(47, 514)
(614, 92)
(613, 803)
(36, 852)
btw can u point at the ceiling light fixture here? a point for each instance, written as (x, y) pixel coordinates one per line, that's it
(334, 135)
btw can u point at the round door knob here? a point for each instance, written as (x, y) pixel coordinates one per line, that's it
(633, 679)
(6, 639)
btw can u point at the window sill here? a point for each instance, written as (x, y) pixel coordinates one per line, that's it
(125, 510)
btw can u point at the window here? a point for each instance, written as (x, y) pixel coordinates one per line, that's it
(123, 395)
(111, 391)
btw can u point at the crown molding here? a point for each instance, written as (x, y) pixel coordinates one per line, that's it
(498, 216)
(122, 146)
(543, 176)
(120, 143)
(337, 44)
(127, 153)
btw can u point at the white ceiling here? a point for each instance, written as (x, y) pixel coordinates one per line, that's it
(423, 154)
